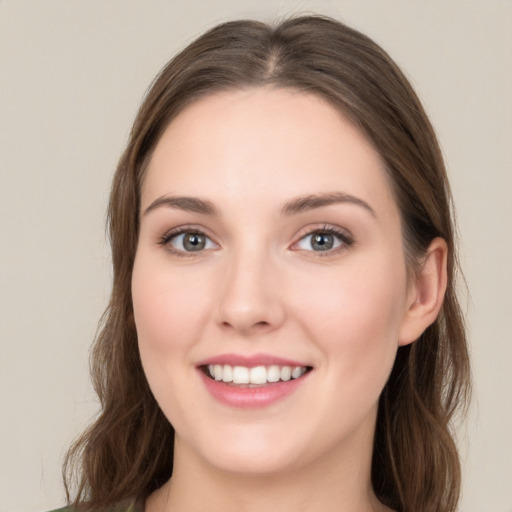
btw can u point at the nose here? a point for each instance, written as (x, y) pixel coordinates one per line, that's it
(250, 300)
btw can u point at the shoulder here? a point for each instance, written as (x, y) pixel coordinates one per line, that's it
(131, 506)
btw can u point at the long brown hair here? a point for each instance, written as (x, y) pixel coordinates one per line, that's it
(128, 451)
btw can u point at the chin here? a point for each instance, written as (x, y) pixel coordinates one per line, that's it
(248, 453)
(251, 464)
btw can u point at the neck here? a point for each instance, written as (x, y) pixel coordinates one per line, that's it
(330, 484)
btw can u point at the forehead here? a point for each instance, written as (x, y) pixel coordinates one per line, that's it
(257, 142)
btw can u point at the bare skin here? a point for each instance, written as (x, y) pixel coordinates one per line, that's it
(258, 180)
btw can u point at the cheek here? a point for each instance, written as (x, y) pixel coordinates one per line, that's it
(369, 296)
(355, 318)
(167, 307)
(168, 313)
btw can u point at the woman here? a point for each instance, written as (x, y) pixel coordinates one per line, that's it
(283, 328)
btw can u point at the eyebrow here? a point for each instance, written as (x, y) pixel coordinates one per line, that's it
(293, 207)
(190, 204)
(312, 201)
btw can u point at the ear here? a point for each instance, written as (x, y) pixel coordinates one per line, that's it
(426, 293)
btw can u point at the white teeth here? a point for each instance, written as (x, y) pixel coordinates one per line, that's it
(258, 375)
(286, 373)
(297, 372)
(227, 373)
(273, 374)
(240, 375)
(255, 375)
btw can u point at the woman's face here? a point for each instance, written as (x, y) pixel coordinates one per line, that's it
(270, 252)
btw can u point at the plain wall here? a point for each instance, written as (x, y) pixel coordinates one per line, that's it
(72, 74)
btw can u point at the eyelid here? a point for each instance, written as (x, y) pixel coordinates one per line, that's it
(343, 235)
(166, 238)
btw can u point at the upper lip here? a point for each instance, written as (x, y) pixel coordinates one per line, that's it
(250, 361)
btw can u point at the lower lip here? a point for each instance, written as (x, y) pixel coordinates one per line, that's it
(251, 397)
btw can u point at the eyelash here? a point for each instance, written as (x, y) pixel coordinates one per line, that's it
(190, 230)
(346, 240)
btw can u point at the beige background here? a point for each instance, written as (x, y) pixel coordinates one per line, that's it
(72, 74)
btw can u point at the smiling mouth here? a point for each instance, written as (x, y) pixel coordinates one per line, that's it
(253, 376)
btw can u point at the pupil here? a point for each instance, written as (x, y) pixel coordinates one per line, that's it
(322, 242)
(194, 242)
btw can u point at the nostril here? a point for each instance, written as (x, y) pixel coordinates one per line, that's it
(256, 325)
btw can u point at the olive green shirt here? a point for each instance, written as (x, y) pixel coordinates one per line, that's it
(131, 506)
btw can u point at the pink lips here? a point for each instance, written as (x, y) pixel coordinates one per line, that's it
(244, 396)
(250, 361)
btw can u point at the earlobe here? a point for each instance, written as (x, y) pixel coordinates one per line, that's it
(426, 294)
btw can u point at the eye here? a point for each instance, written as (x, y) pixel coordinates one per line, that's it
(323, 240)
(188, 241)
